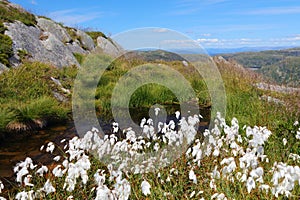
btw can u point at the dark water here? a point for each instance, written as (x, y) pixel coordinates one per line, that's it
(18, 146)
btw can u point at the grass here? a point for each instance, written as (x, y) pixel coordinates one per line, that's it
(173, 182)
(243, 102)
(95, 34)
(149, 94)
(26, 96)
(10, 14)
(6, 50)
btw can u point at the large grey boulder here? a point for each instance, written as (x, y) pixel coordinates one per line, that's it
(61, 53)
(40, 46)
(86, 41)
(109, 47)
(57, 30)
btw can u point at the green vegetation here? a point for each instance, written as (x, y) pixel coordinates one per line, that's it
(6, 50)
(281, 66)
(243, 102)
(149, 94)
(26, 96)
(95, 34)
(79, 57)
(285, 72)
(9, 13)
(72, 33)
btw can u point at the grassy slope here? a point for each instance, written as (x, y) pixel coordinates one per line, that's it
(26, 96)
(244, 104)
(280, 66)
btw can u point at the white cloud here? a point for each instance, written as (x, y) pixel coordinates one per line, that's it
(33, 2)
(294, 38)
(249, 42)
(74, 16)
(273, 11)
(208, 40)
(206, 34)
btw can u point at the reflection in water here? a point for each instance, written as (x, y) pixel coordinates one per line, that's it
(16, 148)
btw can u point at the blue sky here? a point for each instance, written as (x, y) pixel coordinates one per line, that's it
(212, 23)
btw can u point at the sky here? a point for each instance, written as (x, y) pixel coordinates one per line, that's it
(211, 23)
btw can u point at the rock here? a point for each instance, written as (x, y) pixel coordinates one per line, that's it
(63, 56)
(276, 88)
(86, 41)
(54, 28)
(60, 97)
(40, 46)
(186, 64)
(3, 68)
(76, 48)
(58, 83)
(109, 47)
(272, 99)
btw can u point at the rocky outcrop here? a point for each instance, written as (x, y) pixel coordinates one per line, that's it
(59, 51)
(109, 47)
(86, 41)
(76, 48)
(46, 41)
(40, 46)
(57, 30)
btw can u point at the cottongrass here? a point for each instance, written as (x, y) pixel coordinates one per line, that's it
(237, 155)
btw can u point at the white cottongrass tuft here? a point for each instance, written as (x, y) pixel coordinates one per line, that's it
(145, 188)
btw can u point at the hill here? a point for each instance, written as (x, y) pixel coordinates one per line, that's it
(280, 66)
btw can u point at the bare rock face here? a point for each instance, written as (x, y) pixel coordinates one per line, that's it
(86, 41)
(76, 48)
(40, 46)
(60, 52)
(109, 47)
(58, 31)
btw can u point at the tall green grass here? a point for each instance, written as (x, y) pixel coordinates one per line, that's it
(26, 95)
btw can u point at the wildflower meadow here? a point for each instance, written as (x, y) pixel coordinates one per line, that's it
(225, 162)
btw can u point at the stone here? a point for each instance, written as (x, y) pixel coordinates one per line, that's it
(3, 68)
(63, 56)
(57, 30)
(40, 46)
(109, 47)
(76, 48)
(86, 41)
